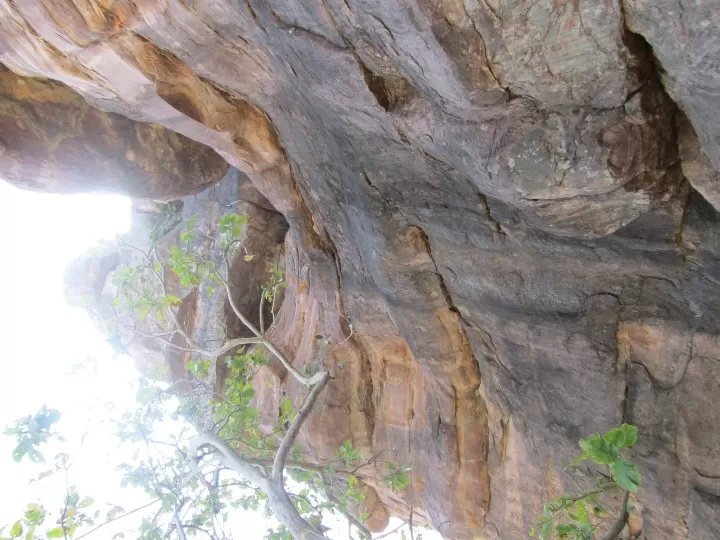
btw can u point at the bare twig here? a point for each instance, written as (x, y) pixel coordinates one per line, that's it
(262, 315)
(410, 524)
(352, 520)
(390, 533)
(143, 507)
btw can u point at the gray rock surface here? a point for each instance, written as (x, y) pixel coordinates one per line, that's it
(495, 195)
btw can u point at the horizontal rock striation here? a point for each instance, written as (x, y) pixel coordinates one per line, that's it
(505, 212)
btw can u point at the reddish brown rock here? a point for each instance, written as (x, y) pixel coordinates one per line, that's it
(490, 193)
(52, 140)
(696, 165)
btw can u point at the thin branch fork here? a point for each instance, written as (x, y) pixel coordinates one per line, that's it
(351, 519)
(259, 338)
(273, 486)
(307, 381)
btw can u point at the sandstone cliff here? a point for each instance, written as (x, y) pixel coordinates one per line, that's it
(513, 203)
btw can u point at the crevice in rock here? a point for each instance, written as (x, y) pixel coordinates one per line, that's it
(641, 62)
(312, 35)
(382, 23)
(373, 187)
(179, 101)
(495, 355)
(486, 52)
(391, 93)
(679, 240)
(441, 279)
(265, 243)
(256, 204)
(624, 355)
(488, 214)
(708, 476)
(464, 403)
(251, 11)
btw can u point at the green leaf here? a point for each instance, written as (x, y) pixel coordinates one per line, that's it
(16, 530)
(161, 372)
(581, 513)
(599, 450)
(87, 501)
(625, 474)
(622, 437)
(34, 513)
(57, 532)
(566, 528)
(586, 531)
(577, 460)
(45, 474)
(546, 529)
(18, 453)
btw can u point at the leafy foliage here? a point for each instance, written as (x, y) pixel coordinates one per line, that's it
(348, 454)
(191, 493)
(32, 431)
(580, 517)
(272, 288)
(231, 229)
(396, 477)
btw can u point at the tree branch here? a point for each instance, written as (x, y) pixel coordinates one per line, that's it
(307, 381)
(308, 467)
(410, 524)
(229, 345)
(389, 533)
(179, 527)
(619, 523)
(117, 518)
(161, 280)
(351, 519)
(276, 477)
(232, 459)
(261, 314)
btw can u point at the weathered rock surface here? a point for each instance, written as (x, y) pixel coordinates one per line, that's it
(53, 140)
(495, 196)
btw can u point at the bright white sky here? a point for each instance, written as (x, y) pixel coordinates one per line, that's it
(45, 340)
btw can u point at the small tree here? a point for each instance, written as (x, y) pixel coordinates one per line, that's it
(200, 451)
(582, 516)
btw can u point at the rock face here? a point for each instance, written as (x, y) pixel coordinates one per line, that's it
(499, 197)
(53, 140)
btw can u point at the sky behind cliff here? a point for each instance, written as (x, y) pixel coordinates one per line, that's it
(46, 341)
(54, 355)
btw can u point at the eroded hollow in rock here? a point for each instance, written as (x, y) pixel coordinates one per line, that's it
(390, 92)
(263, 241)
